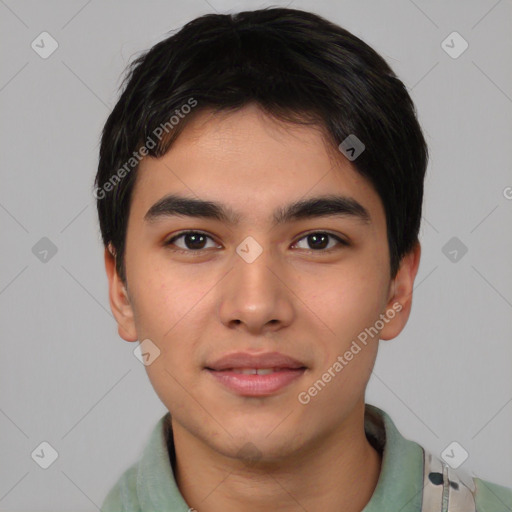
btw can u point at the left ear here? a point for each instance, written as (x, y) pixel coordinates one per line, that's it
(399, 303)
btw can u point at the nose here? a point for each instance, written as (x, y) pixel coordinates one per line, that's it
(256, 295)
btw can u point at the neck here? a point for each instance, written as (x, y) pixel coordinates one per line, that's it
(337, 473)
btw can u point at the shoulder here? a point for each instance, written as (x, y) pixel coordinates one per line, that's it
(492, 497)
(448, 489)
(147, 484)
(124, 493)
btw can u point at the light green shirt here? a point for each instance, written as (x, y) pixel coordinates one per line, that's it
(411, 478)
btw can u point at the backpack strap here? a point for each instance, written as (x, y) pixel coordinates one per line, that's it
(445, 490)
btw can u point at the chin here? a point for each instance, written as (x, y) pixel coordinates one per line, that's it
(260, 451)
(263, 440)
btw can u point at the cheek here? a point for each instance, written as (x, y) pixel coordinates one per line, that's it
(350, 303)
(345, 300)
(171, 309)
(168, 311)
(165, 298)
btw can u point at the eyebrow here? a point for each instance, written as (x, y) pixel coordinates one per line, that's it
(321, 206)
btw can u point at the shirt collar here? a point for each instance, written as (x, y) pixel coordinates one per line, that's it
(400, 483)
(399, 486)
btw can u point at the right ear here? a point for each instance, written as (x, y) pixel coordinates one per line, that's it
(119, 300)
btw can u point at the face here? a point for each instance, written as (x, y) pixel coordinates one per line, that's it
(263, 279)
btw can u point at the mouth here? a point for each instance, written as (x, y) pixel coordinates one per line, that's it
(256, 375)
(255, 371)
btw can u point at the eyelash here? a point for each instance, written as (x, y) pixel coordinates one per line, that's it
(169, 242)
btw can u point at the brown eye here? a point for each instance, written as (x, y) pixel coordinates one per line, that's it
(190, 241)
(319, 241)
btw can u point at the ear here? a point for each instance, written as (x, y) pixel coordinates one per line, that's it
(119, 300)
(399, 303)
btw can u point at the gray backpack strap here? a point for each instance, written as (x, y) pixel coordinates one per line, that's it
(445, 490)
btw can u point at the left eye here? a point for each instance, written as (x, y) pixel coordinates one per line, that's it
(320, 240)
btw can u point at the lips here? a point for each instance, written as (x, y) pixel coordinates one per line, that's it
(256, 375)
(244, 360)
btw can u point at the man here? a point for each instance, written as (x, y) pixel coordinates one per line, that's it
(259, 193)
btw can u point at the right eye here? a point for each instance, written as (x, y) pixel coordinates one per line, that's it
(192, 241)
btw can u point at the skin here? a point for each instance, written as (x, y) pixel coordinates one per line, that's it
(302, 302)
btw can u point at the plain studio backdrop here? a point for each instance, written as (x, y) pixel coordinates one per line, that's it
(68, 380)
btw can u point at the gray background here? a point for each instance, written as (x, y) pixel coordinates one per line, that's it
(66, 376)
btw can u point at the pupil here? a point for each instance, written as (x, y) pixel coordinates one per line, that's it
(313, 239)
(194, 237)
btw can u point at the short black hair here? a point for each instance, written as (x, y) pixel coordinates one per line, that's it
(297, 66)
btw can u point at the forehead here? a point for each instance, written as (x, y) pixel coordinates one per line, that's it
(253, 163)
